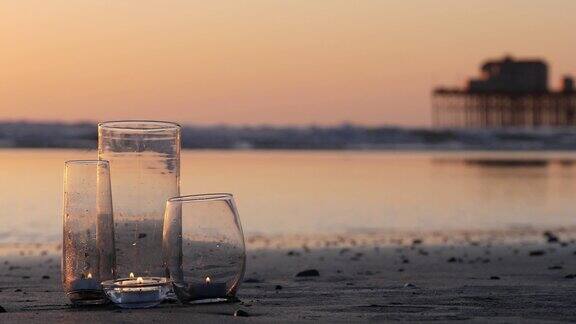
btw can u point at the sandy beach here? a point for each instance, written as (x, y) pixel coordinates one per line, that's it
(518, 275)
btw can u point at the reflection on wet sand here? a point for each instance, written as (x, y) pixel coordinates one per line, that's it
(506, 163)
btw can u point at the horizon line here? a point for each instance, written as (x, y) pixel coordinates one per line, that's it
(220, 124)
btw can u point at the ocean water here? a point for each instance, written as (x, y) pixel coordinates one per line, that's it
(290, 192)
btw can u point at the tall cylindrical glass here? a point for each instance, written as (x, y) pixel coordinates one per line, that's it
(145, 169)
(204, 247)
(88, 236)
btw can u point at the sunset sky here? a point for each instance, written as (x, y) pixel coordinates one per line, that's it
(283, 62)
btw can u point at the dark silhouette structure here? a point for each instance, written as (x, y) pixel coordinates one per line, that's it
(509, 93)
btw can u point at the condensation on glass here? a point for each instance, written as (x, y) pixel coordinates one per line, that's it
(88, 231)
(204, 247)
(145, 169)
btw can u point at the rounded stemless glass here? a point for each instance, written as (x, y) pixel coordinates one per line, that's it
(203, 244)
(88, 231)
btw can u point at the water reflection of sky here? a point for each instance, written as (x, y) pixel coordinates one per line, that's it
(293, 192)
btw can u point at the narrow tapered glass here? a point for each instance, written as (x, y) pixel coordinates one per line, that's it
(203, 247)
(88, 231)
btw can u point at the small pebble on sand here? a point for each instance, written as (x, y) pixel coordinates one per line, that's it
(494, 278)
(551, 237)
(536, 253)
(308, 273)
(241, 313)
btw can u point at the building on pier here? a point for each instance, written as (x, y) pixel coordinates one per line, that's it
(508, 93)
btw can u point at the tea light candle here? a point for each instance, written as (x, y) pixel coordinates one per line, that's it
(137, 292)
(137, 281)
(85, 283)
(209, 289)
(137, 289)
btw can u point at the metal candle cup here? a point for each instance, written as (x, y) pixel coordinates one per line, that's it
(87, 283)
(208, 290)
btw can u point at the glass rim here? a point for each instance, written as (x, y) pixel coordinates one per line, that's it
(86, 162)
(218, 196)
(129, 125)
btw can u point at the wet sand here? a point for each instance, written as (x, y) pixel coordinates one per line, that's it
(519, 275)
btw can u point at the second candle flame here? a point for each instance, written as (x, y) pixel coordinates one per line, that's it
(208, 280)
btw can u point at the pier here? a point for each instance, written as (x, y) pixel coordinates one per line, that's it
(509, 93)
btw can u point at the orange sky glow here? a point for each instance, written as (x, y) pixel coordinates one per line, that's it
(281, 62)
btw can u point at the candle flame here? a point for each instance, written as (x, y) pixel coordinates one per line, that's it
(139, 280)
(208, 280)
(131, 274)
(89, 276)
